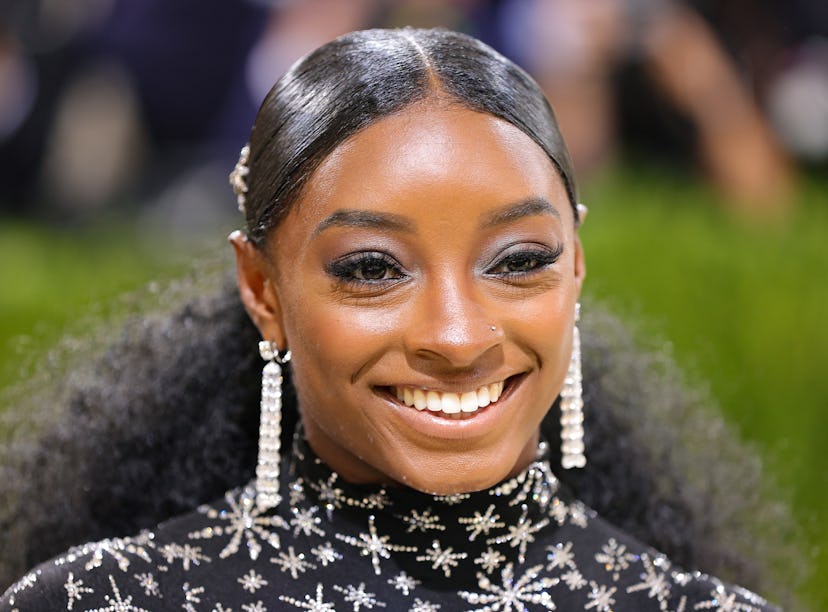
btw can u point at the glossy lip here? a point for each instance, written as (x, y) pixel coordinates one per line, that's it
(439, 425)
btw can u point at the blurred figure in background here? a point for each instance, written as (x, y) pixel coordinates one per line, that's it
(38, 55)
(577, 51)
(123, 98)
(106, 101)
(785, 44)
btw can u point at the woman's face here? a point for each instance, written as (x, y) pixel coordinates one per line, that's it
(425, 283)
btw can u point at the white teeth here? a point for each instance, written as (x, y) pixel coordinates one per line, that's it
(420, 401)
(495, 389)
(468, 402)
(450, 403)
(483, 398)
(434, 403)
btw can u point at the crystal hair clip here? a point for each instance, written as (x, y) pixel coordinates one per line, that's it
(238, 178)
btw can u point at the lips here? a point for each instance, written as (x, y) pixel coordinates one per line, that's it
(449, 403)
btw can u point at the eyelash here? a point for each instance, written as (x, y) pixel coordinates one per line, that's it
(539, 258)
(351, 269)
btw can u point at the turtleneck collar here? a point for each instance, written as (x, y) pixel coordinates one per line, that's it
(451, 538)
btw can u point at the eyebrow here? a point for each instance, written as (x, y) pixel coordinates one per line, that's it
(365, 218)
(529, 207)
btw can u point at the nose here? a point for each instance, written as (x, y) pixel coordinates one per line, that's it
(453, 323)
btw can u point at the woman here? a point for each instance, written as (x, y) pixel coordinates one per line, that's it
(412, 267)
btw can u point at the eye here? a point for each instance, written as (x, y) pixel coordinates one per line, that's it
(525, 261)
(366, 268)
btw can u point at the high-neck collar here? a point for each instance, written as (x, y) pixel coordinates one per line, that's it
(449, 537)
(536, 485)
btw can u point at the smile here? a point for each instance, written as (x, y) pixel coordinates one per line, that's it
(449, 403)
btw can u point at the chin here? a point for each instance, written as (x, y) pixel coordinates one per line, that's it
(459, 472)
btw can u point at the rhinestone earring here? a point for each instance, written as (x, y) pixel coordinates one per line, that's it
(270, 427)
(572, 404)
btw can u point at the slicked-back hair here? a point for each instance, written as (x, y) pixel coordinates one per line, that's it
(359, 78)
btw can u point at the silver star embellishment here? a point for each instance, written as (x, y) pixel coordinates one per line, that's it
(188, 554)
(305, 521)
(615, 558)
(359, 596)
(191, 596)
(574, 580)
(560, 556)
(292, 562)
(423, 522)
(424, 606)
(512, 594)
(326, 554)
(442, 559)
(252, 582)
(314, 605)
(453, 499)
(331, 496)
(657, 583)
(297, 493)
(403, 582)
(245, 521)
(116, 602)
(481, 523)
(490, 560)
(74, 590)
(722, 601)
(520, 535)
(375, 545)
(148, 582)
(600, 597)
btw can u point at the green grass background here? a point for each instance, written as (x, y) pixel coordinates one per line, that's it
(743, 305)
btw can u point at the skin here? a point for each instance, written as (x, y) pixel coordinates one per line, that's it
(468, 213)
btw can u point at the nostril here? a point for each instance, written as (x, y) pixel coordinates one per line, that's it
(460, 346)
(452, 322)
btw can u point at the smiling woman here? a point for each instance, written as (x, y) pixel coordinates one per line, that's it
(412, 268)
(411, 240)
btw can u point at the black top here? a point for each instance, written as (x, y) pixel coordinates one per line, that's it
(523, 545)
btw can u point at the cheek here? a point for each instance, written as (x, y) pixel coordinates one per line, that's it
(332, 343)
(543, 328)
(323, 359)
(546, 322)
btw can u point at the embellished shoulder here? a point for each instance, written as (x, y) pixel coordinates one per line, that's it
(95, 575)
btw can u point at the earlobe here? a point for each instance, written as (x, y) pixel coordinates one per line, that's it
(257, 289)
(580, 263)
(582, 211)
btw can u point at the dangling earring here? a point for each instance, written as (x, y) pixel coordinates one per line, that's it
(270, 427)
(572, 404)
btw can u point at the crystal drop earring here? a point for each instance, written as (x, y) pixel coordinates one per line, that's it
(270, 427)
(572, 404)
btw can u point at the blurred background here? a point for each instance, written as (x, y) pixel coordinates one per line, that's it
(699, 132)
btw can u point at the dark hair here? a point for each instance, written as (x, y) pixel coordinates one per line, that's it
(357, 79)
(167, 417)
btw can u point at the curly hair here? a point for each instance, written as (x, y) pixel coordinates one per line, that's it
(166, 418)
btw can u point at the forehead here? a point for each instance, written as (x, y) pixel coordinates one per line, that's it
(440, 154)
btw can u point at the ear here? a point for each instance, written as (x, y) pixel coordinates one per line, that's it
(257, 289)
(580, 260)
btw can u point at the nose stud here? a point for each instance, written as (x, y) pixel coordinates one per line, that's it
(493, 328)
